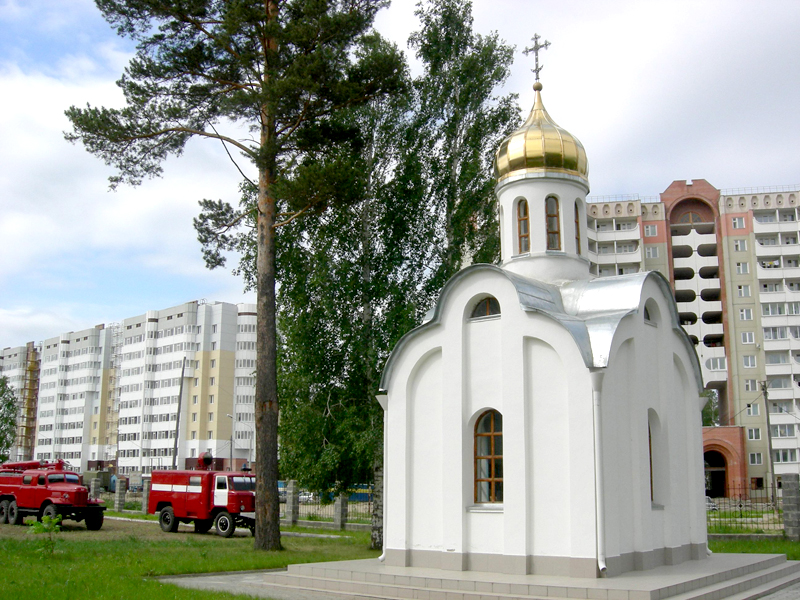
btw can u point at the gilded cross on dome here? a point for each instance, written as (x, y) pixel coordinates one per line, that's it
(535, 49)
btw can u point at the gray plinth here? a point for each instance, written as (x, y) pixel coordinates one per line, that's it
(340, 511)
(119, 495)
(145, 495)
(791, 505)
(292, 501)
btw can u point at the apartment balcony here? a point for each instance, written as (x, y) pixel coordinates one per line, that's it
(608, 258)
(696, 262)
(774, 227)
(781, 394)
(784, 344)
(780, 369)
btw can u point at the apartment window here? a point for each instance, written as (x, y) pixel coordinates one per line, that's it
(211, 399)
(750, 385)
(213, 345)
(651, 252)
(214, 328)
(650, 230)
(194, 435)
(211, 435)
(626, 248)
(553, 221)
(742, 268)
(210, 417)
(740, 246)
(489, 457)
(778, 407)
(212, 380)
(194, 399)
(774, 286)
(577, 230)
(745, 314)
(749, 361)
(775, 333)
(213, 363)
(716, 364)
(777, 358)
(523, 227)
(194, 417)
(771, 309)
(196, 382)
(754, 433)
(755, 458)
(744, 291)
(793, 308)
(782, 431)
(786, 455)
(737, 222)
(748, 337)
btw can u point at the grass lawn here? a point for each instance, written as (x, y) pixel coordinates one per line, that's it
(779, 545)
(122, 561)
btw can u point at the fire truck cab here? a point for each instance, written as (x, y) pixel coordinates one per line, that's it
(46, 489)
(223, 499)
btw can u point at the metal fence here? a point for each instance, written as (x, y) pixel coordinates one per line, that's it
(316, 507)
(746, 510)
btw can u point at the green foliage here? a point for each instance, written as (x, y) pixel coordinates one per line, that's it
(8, 418)
(710, 412)
(772, 545)
(49, 527)
(460, 123)
(355, 281)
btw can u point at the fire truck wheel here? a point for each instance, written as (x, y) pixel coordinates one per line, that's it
(202, 525)
(3, 512)
(94, 520)
(167, 520)
(14, 516)
(50, 511)
(224, 524)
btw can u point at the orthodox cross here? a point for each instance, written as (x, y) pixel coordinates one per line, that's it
(535, 49)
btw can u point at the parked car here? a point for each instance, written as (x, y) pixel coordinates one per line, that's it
(305, 497)
(710, 504)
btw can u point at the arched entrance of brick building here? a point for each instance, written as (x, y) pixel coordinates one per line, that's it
(716, 474)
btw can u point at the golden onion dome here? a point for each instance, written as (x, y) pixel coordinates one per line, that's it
(540, 146)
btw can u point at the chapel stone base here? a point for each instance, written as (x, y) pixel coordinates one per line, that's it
(734, 576)
(562, 566)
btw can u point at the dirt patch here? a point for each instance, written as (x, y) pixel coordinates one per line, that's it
(113, 529)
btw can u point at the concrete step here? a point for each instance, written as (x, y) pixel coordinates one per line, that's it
(761, 578)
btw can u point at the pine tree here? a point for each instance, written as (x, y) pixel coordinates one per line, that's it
(284, 69)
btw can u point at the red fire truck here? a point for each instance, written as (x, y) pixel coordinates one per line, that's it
(46, 489)
(224, 499)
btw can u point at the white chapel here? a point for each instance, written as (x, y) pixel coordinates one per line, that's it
(542, 420)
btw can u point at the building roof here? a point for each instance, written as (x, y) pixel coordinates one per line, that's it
(590, 310)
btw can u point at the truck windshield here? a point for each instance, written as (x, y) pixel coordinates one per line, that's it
(244, 484)
(68, 477)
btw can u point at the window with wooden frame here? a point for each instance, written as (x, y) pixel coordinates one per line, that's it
(552, 219)
(489, 458)
(577, 230)
(485, 308)
(523, 226)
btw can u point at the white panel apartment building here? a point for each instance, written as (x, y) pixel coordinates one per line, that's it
(119, 395)
(733, 259)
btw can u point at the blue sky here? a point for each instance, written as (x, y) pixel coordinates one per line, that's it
(656, 91)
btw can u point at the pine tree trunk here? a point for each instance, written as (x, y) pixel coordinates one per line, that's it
(268, 533)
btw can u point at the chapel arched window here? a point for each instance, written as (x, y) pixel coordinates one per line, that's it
(489, 457)
(485, 308)
(523, 226)
(577, 230)
(553, 223)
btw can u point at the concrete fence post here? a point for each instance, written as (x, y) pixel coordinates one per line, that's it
(791, 505)
(119, 495)
(145, 494)
(94, 488)
(340, 511)
(292, 502)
